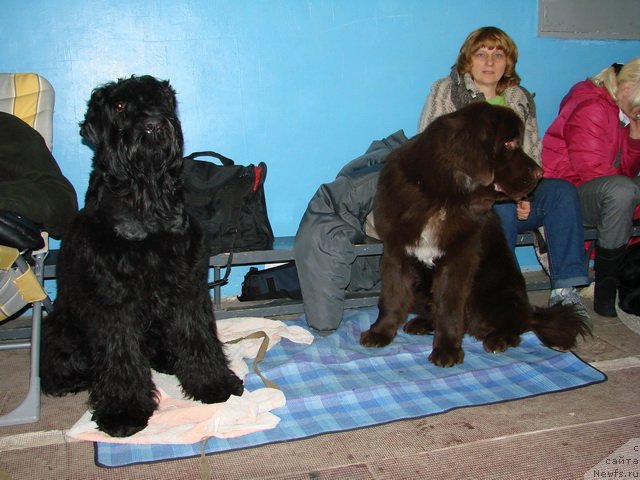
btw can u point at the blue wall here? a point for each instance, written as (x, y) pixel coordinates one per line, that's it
(304, 86)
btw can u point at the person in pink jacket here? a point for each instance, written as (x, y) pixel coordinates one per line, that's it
(595, 144)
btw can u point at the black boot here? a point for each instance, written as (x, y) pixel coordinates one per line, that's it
(607, 265)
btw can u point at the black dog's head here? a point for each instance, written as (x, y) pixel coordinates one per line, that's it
(135, 182)
(133, 126)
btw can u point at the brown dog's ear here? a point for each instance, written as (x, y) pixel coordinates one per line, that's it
(471, 148)
(508, 127)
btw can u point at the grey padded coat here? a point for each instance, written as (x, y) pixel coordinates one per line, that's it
(332, 224)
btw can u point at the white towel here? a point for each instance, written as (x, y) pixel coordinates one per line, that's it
(181, 421)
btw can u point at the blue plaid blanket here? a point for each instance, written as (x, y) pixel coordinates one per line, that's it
(335, 384)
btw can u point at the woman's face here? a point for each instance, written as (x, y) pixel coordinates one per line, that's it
(626, 92)
(488, 66)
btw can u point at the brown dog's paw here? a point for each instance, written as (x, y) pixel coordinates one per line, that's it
(498, 342)
(441, 357)
(418, 326)
(374, 339)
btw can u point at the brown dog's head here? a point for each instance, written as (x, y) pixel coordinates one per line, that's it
(480, 146)
(516, 174)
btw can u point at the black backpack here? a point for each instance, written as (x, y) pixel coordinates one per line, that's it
(629, 281)
(271, 283)
(229, 202)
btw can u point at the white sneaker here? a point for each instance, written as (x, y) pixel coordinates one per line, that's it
(570, 296)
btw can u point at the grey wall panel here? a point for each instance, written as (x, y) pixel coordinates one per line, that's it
(596, 19)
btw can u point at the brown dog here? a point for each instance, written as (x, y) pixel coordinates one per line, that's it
(445, 253)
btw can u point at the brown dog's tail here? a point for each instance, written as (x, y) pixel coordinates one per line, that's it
(559, 326)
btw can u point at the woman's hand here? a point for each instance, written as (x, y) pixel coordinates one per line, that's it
(523, 209)
(634, 125)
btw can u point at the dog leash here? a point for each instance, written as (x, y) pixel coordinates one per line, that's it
(260, 355)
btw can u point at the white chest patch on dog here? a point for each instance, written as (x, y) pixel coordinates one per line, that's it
(427, 249)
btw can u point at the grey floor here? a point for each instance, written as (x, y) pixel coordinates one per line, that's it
(583, 433)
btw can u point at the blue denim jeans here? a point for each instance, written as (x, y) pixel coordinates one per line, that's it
(556, 207)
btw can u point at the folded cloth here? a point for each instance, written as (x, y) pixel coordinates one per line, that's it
(232, 329)
(178, 421)
(181, 421)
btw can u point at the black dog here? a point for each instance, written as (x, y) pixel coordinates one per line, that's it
(444, 249)
(132, 270)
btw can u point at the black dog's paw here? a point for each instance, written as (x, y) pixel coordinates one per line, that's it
(124, 415)
(418, 326)
(446, 357)
(374, 339)
(217, 392)
(121, 424)
(498, 342)
(234, 385)
(58, 390)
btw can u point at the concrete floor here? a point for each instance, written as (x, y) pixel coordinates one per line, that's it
(584, 433)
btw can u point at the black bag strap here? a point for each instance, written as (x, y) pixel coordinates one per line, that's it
(236, 204)
(209, 153)
(225, 279)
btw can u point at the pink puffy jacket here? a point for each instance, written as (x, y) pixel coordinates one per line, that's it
(587, 140)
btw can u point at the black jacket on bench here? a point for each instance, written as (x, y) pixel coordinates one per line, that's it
(31, 183)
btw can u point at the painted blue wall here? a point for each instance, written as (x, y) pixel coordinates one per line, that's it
(304, 86)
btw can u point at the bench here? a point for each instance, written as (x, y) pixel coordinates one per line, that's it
(283, 252)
